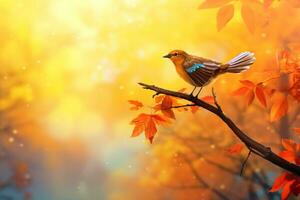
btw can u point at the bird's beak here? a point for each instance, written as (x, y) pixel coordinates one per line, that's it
(167, 56)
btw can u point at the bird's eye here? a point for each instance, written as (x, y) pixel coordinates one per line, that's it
(175, 54)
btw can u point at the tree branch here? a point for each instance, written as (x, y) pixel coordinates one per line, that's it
(256, 147)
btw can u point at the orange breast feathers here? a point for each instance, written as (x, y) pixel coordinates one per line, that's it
(183, 74)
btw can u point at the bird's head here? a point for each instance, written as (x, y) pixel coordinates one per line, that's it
(177, 56)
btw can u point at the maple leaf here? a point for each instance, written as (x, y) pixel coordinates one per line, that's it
(150, 129)
(194, 109)
(213, 3)
(224, 15)
(136, 104)
(260, 94)
(147, 123)
(208, 99)
(248, 83)
(159, 98)
(248, 17)
(289, 183)
(240, 91)
(236, 148)
(166, 107)
(279, 108)
(250, 97)
(291, 152)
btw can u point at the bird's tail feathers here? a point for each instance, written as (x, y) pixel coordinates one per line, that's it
(241, 62)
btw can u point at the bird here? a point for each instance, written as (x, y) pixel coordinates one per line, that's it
(199, 71)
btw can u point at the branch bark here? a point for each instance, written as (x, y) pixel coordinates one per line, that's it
(254, 146)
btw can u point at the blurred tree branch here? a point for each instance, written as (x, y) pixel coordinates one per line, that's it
(254, 146)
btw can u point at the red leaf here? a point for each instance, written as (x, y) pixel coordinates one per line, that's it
(279, 109)
(240, 91)
(166, 103)
(286, 191)
(166, 107)
(147, 123)
(224, 15)
(150, 129)
(159, 98)
(248, 17)
(279, 181)
(194, 109)
(248, 83)
(208, 99)
(260, 94)
(235, 149)
(136, 104)
(168, 113)
(250, 97)
(213, 3)
(288, 155)
(138, 129)
(289, 144)
(160, 120)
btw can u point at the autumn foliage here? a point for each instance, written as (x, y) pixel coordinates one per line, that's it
(276, 94)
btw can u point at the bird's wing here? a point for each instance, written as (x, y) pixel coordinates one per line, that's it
(201, 70)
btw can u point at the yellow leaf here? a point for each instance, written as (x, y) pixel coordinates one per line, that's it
(224, 15)
(248, 17)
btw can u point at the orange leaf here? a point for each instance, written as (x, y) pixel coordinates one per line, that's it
(259, 91)
(224, 15)
(279, 109)
(138, 129)
(166, 103)
(194, 109)
(136, 104)
(168, 113)
(248, 83)
(278, 183)
(240, 91)
(166, 107)
(213, 3)
(160, 120)
(139, 119)
(235, 149)
(288, 155)
(150, 129)
(208, 99)
(250, 97)
(248, 17)
(159, 98)
(289, 144)
(286, 190)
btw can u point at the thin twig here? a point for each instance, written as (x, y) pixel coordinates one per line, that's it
(245, 162)
(215, 99)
